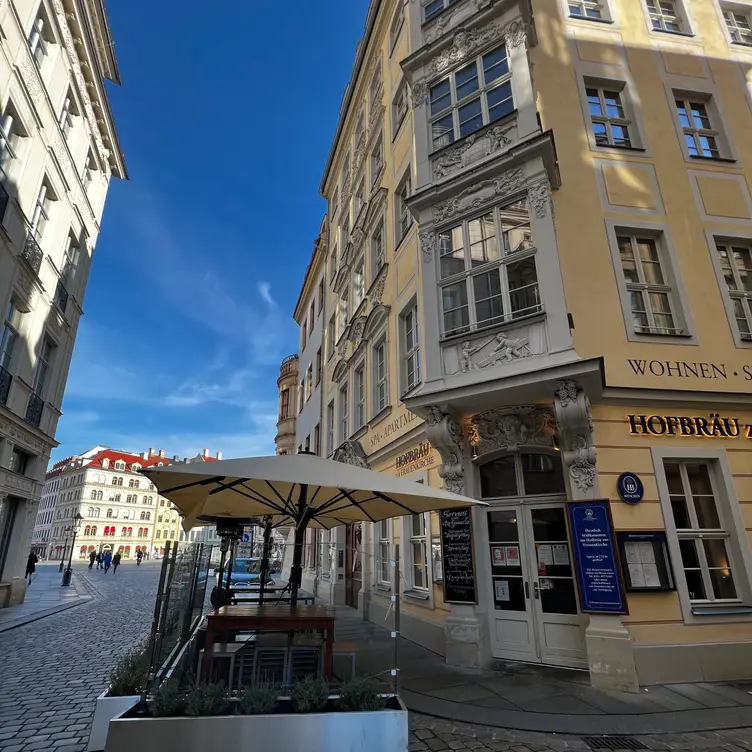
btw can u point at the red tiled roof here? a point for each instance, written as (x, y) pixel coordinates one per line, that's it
(130, 459)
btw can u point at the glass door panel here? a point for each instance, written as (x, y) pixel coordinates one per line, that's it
(506, 563)
(553, 561)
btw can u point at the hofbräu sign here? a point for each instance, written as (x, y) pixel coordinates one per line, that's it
(414, 459)
(715, 426)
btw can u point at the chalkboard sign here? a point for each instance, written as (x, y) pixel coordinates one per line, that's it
(457, 554)
(601, 589)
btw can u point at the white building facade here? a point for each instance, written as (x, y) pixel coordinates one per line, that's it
(58, 151)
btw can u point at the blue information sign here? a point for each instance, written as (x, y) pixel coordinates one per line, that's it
(630, 488)
(598, 573)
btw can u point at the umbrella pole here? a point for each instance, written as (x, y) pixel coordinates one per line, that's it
(265, 556)
(301, 522)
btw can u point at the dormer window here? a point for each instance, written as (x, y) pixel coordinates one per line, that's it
(105, 463)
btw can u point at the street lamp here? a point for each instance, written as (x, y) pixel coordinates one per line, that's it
(76, 524)
(65, 548)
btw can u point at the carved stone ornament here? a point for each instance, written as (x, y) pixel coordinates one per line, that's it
(351, 452)
(439, 28)
(509, 428)
(575, 428)
(427, 244)
(19, 436)
(419, 93)
(472, 149)
(445, 433)
(356, 331)
(505, 349)
(480, 194)
(539, 196)
(378, 291)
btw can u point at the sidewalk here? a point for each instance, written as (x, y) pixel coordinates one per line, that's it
(535, 698)
(45, 597)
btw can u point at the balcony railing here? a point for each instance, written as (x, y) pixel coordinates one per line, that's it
(34, 410)
(32, 254)
(61, 296)
(5, 381)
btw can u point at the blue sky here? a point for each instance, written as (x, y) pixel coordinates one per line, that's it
(226, 118)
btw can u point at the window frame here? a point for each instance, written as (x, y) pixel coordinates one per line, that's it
(43, 366)
(377, 160)
(708, 98)
(630, 119)
(469, 272)
(716, 239)
(728, 504)
(396, 26)
(359, 395)
(379, 229)
(657, 14)
(400, 107)
(10, 335)
(330, 428)
(413, 353)
(424, 5)
(344, 410)
(604, 16)
(380, 381)
(383, 537)
(736, 9)
(403, 218)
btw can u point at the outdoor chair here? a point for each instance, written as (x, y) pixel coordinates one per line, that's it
(306, 657)
(346, 649)
(271, 657)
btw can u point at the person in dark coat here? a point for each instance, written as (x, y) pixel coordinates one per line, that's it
(115, 563)
(92, 559)
(31, 565)
(107, 561)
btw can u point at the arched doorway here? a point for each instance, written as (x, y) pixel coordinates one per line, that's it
(534, 609)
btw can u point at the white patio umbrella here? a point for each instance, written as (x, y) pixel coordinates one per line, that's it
(302, 487)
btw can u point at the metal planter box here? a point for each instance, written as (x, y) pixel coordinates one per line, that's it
(106, 709)
(377, 731)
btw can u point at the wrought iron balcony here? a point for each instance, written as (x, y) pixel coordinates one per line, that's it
(61, 296)
(34, 410)
(32, 254)
(5, 381)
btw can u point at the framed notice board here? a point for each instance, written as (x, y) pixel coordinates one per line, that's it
(460, 585)
(645, 561)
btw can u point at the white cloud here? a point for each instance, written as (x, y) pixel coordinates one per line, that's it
(265, 291)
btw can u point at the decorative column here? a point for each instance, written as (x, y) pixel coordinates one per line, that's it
(610, 653)
(467, 641)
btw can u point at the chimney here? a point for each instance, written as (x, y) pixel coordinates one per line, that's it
(176, 458)
(205, 453)
(144, 456)
(151, 451)
(161, 452)
(219, 455)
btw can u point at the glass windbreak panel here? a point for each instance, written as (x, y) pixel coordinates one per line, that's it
(499, 478)
(506, 566)
(542, 474)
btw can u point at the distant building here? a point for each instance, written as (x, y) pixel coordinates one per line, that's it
(121, 510)
(289, 404)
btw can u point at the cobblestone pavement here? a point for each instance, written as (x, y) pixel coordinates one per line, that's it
(52, 670)
(434, 735)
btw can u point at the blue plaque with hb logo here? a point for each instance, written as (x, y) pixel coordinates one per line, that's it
(630, 488)
(599, 578)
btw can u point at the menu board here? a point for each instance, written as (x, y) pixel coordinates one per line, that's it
(645, 560)
(457, 548)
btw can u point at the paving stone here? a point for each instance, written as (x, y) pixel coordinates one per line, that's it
(436, 745)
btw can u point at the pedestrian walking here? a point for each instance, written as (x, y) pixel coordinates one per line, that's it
(99, 560)
(107, 562)
(31, 565)
(92, 559)
(115, 563)
(139, 556)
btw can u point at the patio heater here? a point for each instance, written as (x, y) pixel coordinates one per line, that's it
(230, 530)
(68, 573)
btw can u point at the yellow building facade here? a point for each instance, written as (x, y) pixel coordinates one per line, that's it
(539, 293)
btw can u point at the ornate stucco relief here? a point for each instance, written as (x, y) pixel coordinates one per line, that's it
(445, 433)
(509, 428)
(479, 194)
(576, 437)
(471, 150)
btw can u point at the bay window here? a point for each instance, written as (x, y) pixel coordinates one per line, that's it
(487, 270)
(477, 94)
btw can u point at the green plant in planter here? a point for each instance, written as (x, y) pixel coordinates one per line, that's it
(310, 695)
(169, 700)
(128, 675)
(361, 693)
(206, 699)
(258, 700)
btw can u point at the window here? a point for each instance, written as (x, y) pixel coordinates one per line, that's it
(359, 283)
(343, 416)
(403, 216)
(37, 39)
(109, 513)
(375, 90)
(333, 259)
(41, 213)
(610, 124)
(66, 115)
(380, 376)
(331, 336)
(739, 27)
(311, 316)
(358, 198)
(410, 348)
(10, 335)
(345, 173)
(359, 131)
(317, 439)
(143, 515)
(360, 398)
(384, 557)
(432, 8)
(473, 96)
(308, 443)
(43, 366)
(736, 265)
(418, 553)
(399, 108)
(585, 9)
(487, 271)
(10, 132)
(377, 160)
(343, 312)
(377, 250)
(284, 404)
(650, 294)
(19, 461)
(334, 203)
(396, 27)
(330, 428)
(664, 16)
(309, 382)
(700, 137)
(303, 335)
(87, 175)
(702, 531)
(319, 367)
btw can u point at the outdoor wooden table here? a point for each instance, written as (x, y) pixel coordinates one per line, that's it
(279, 618)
